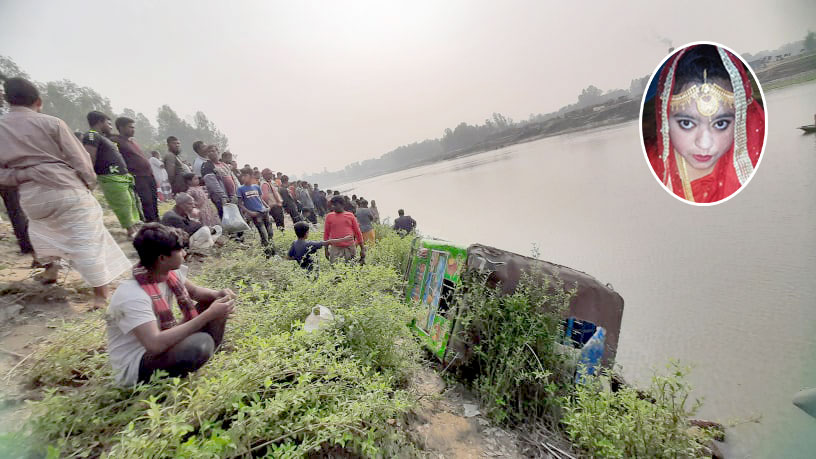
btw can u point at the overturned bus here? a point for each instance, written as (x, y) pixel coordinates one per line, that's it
(434, 274)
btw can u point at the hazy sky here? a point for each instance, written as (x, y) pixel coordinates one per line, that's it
(302, 85)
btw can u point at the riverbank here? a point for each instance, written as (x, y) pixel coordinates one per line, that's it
(37, 357)
(273, 389)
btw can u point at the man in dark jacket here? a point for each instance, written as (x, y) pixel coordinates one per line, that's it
(404, 223)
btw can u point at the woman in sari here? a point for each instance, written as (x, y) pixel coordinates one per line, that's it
(207, 213)
(710, 126)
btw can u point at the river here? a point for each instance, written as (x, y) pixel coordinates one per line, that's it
(728, 289)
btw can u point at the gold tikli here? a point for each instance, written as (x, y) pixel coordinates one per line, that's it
(708, 97)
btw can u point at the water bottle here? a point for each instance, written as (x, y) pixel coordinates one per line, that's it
(320, 315)
(591, 355)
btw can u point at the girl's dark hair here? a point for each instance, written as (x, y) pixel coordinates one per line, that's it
(187, 176)
(155, 239)
(691, 66)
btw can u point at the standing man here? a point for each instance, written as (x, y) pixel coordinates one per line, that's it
(112, 172)
(340, 224)
(365, 219)
(41, 156)
(200, 158)
(319, 201)
(404, 224)
(304, 196)
(374, 211)
(215, 184)
(272, 198)
(289, 203)
(231, 168)
(160, 175)
(139, 166)
(173, 165)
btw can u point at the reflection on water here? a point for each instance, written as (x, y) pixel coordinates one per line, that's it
(728, 289)
(468, 162)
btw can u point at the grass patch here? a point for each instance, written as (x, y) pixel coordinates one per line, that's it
(273, 390)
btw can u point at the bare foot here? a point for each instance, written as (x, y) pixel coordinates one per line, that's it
(50, 275)
(100, 299)
(98, 303)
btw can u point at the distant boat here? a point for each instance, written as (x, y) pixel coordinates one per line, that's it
(808, 128)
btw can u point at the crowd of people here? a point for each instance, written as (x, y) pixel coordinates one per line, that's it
(48, 173)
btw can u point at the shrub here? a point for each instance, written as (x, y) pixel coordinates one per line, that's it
(628, 423)
(516, 369)
(390, 250)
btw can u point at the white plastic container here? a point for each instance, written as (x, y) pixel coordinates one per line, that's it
(320, 316)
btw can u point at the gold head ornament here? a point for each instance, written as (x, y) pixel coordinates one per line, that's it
(708, 97)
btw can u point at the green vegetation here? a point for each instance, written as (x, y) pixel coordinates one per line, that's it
(273, 389)
(517, 369)
(632, 423)
(523, 375)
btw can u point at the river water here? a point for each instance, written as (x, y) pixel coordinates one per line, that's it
(728, 289)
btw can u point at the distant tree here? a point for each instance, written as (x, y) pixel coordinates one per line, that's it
(502, 122)
(10, 69)
(810, 41)
(589, 96)
(169, 123)
(208, 132)
(71, 102)
(637, 86)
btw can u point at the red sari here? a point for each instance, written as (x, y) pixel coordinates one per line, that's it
(733, 169)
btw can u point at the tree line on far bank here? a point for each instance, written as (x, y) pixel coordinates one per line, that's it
(72, 102)
(468, 137)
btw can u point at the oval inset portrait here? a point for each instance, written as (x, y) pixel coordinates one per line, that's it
(703, 123)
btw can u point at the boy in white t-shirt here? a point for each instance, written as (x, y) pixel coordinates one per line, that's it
(143, 335)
